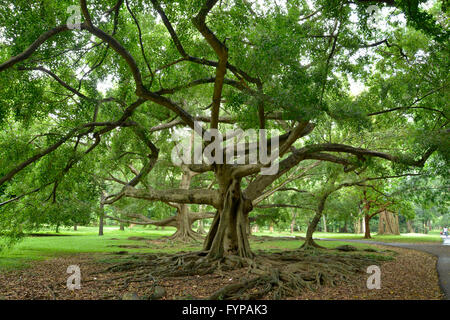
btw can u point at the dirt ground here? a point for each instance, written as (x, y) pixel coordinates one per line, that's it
(412, 275)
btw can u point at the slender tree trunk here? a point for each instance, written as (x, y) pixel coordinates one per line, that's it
(57, 228)
(293, 222)
(122, 227)
(101, 217)
(367, 217)
(363, 225)
(75, 227)
(425, 228)
(397, 225)
(357, 225)
(201, 227)
(324, 224)
(367, 227)
(309, 241)
(100, 225)
(345, 229)
(359, 222)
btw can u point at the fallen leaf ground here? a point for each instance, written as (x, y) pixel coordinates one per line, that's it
(412, 275)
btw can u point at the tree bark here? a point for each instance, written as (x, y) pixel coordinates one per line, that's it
(100, 225)
(309, 241)
(358, 225)
(388, 223)
(345, 228)
(367, 227)
(228, 232)
(201, 227)
(293, 222)
(101, 216)
(184, 231)
(367, 216)
(183, 224)
(409, 226)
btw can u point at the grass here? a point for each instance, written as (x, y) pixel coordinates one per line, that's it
(405, 237)
(432, 236)
(86, 240)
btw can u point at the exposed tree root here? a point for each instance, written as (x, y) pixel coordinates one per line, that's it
(187, 236)
(286, 274)
(269, 275)
(311, 244)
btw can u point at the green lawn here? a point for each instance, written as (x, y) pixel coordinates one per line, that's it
(86, 240)
(404, 237)
(432, 236)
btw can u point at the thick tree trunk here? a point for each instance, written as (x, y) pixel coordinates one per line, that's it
(122, 227)
(367, 227)
(75, 227)
(184, 231)
(388, 223)
(228, 232)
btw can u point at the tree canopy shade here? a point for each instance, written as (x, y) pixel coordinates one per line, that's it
(93, 107)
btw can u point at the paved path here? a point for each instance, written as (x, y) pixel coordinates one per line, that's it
(442, 251)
